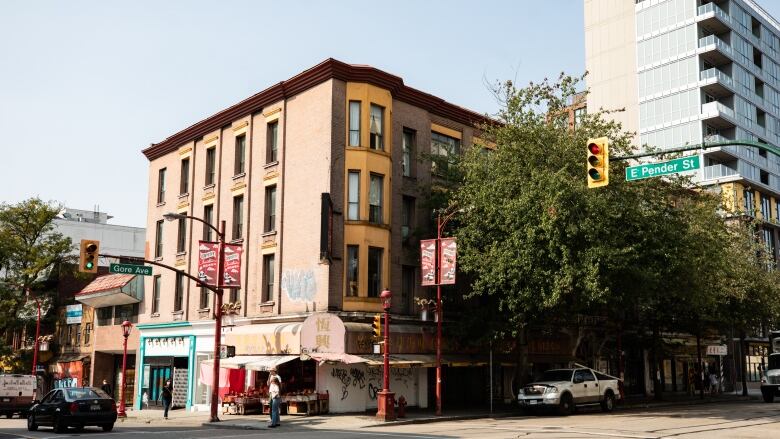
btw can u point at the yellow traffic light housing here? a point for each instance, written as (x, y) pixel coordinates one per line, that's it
(88, 256)
(598, 162)
(377, 326)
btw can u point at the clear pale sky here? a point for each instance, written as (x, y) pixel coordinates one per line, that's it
(86, 85)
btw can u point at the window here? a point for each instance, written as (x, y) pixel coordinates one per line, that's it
(375, 196)
(77, 335)
(769, 241)
(353, 209)
(208, 216)
(374, 271)
(234, 295)
(125, 312)
(238, 217)
(156, 288)
(408, 151)
(445, 148)
(211, 160)
(184, 188)
(178, 296)
(407, 284)
(270, 209)
(353, 267)
(69, 339)
(354, 123)
(204, 297)
(181, 238)
(161, 185)
(268, 278)
(272, 142)
(777, 211)
(376, 127)
(766, 207)
(579, 113)
(87, 333)
(158, 239)
(750, 205)
(240, 154)
(407, 216)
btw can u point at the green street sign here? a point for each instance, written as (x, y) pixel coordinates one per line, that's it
(663, 168)
(143, 270)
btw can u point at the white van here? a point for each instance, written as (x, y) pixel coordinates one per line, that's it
(16, 394)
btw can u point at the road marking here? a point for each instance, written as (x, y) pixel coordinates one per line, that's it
(565, 430)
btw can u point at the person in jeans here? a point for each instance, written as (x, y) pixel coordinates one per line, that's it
(167, 397)
(275, 396)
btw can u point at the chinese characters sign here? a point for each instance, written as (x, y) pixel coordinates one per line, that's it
(428, 261)
(448, 256)
(323, 332)
(208, 256)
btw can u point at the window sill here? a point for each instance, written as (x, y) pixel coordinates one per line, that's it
(269, 233)
(371, 150)
(239, 176)
(271, 303)
(270, 164)
(160, 203)
(182, 253)
(158, 258)
(366, 223)
(154, 315)
(410, 178)
(209, 186)
(237, 241)
(184, 195)
(204, 310)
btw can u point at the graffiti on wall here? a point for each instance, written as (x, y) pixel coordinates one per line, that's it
(370, 379)
(299, 285)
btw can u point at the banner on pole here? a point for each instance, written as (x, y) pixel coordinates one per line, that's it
(232, 272)
(428, 262)
(208, 253)
(448, 258)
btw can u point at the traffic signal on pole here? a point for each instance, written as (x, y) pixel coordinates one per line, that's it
(598, 162)
(88, 256)
(377, 326)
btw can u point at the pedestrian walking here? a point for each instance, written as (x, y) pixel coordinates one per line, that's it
(275, 395)
(713, 383)
(107, 388)
(167, 397)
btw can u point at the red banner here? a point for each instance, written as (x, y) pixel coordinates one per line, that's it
(232, 266)
(428, 262)
(208, 253)
(448, 257)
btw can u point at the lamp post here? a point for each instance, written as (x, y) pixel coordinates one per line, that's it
(386, 398)
(126, 328)
(37, 331)
(440, 223)
(217, 308)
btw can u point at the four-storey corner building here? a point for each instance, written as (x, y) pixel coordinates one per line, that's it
(319, 179)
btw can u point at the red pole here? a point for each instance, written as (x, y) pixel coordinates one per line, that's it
(439, 316)
(218, 324)
(121, 412)
(37, 334)
(386, 383)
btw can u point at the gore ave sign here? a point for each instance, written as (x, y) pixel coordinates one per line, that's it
(663, 168)
(143, 270)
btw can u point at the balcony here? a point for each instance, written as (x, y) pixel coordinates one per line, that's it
(716, 83)
(718, 171)
(743, 169)
(713, 18)
(715, 51)
(112, 290)
(718, 115)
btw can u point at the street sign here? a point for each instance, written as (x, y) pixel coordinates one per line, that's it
(720, 350)
(143, 270)
(649, 170)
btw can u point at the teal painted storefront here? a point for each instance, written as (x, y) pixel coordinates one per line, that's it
(160, 373)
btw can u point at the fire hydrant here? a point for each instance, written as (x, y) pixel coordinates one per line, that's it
(401, 407)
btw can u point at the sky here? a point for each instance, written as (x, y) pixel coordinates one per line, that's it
(86, 85)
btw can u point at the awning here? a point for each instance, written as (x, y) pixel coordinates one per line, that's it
(68, 358)
(111, 290)
(427, 360)
(328, 357)
(252, 362)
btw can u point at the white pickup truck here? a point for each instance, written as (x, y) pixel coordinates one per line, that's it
(16, 394)
(565, 389)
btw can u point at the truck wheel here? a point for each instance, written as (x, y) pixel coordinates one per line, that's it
(566, 406)
(608, 404)
(768, 397)
(31, 425)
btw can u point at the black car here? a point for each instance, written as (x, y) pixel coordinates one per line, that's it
(73, 407)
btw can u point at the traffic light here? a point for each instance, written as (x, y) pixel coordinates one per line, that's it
(598, 162)
(88, 256)
(377, 326)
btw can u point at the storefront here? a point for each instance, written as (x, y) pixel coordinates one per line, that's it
(70, 371)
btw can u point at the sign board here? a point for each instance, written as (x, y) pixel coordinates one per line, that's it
(719, 350)
(73, 314)
(207, 262)
(428, 262)
(448, 257)
(142, 270)
(232, 272)
(226, 351)
(649, 170)
(323, 332)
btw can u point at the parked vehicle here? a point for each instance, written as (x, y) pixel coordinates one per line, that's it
(770, 381)
(566, 389)
(16, 394)
(73, 407)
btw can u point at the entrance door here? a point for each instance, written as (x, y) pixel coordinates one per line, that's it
(158, 375)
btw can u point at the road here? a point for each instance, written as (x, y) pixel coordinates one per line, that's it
(722, 420)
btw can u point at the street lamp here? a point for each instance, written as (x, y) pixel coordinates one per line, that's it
(37, 331)
(386, 398)
(126, 328)
(217, 308)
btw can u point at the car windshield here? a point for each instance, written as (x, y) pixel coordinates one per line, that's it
(557, 375)
(85, 393)
(774, 361)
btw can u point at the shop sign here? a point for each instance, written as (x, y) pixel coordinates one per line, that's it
(719, 350)
(232, 266)
(167, 347)
(207, 262)
(266, 339)
(73, 314)
(448, 257)
(428, 261)
(323, 332)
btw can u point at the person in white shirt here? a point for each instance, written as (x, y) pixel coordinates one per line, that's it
(274, 394)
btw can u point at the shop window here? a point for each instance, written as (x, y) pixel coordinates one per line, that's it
(354, 123)
(374, 271)
(268, 278)
(239, 165)
(375, 198)
(161, 185)
(353, 268)
(158, 239)
(184, 186)
(211, 162)
(353, 209)
(238, 217)
(270, 209)
(377, 127)
(272, 142)
(181, 238)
